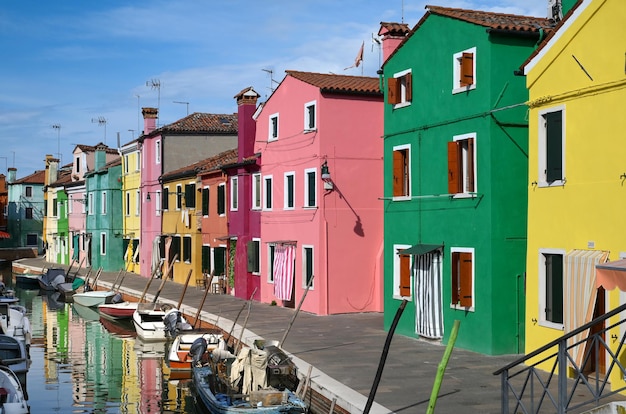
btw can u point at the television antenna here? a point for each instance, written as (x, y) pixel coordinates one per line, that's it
(184, 103)
(101, 121)
(156, 84)
(272, 81)
(58, 128)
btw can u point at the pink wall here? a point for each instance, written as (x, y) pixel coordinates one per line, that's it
(150, 222)
(347, 265)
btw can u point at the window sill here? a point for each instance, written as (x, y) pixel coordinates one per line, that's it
(551, 325)
(310, 207)
(401, 198)
(402, 105)
(308, 130)
(462, 308)
(545, 184)
(463, 89)
(464, 195)
(408, 298)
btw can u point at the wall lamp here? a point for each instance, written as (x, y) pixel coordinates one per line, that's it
(328, 182)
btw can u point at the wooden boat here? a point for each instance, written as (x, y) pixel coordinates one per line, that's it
(179, 357)
(51, 278)
(93, 298)
(118, 311)
(148, 321)
(12, 396)
(15, 323)
(266, 378)
(27, 280)
(13, 355)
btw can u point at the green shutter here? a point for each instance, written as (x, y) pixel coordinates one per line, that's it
(554, 146)
(205, 201)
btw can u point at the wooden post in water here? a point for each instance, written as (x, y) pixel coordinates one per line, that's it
(206, 291)
(230, 334)
(442, 367)
(165, 276)
(180, 301)
(383, 357)
(308, 286)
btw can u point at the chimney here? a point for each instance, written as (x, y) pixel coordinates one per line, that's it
(150, 116)
(392, 35)
(100, 156)
(12, 174)
(52, 169)
(246, 131)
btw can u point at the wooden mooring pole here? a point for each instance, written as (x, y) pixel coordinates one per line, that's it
(442, 367)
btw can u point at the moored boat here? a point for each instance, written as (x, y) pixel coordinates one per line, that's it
(51, 278)
(13, 355)
(148, 321)
(179, 355)
(15, 323)
(27, 280)
(117, 311)
(266, 381)
(12, 396)
(93, 298)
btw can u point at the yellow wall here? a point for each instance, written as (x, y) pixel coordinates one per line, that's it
(587, 212)
(130, 184)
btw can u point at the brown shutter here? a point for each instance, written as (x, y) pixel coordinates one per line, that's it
(454, 294)
(470, 166)
(393, 90)
(398, 173)
(409, 87)
(467, 69)
(454, 168)
(405, 275)
(465, 279)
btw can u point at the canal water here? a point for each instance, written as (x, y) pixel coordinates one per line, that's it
(80, 364)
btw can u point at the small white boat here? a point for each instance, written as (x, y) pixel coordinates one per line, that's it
(12, 398)
(93, 297)
(13, 355)
(15, 323)
(148, 321)
(179, 356)
(118, 311)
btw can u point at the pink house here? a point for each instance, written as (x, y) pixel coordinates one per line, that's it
(320, 136)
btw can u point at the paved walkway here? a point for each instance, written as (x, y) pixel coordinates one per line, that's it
(345, 351)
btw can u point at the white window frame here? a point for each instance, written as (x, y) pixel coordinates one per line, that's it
(157, 202)
(258, 242)
(257, 193)
(127, 200)
(223, 186)
(465, 174)
(396, 273)
(179, 197)
(182, 247)
(472, 251)
(137, 160)
(456, 70)
(307, 108)
(234, 193)
(270, 263)
(270, 132)
(542, 151)
(305, 247)
(137, 203)
(410, 174)
(308, 189)
(542, 288)
(28, 191)
(90, 203)
(70, 204)
(157, 151)
(103, 203)
(103, 244)
(403, 100)
(287, 191)
(126, 160)
(266, 179)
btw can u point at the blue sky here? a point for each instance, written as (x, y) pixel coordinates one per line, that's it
(77, 63)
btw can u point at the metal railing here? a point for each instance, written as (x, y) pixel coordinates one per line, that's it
(529, 389)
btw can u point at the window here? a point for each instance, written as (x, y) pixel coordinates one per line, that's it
(310, 123)
(179, 197)
(400, 89)
(401, 273)
(401, 172)
(462, 165)
(32, 239)
(206, 259)
(273, 128)
(28, 213)
(271, 249)
(157, 152)
(55, 208)
(90, 203)
(127, 204)
(221, 199)
(166, 197)
(28, 191)
(256, 191)
(137, 202)
(268, 193)
(289, 202)
(551, 287)
(310, 187)
(552, 147)
(254, 250)
(190, 195)
(462, 286)
(157, 202)
(205, 201)
(103, 244)
(104, 203)
(464, 70)
(77, 164)
(70, 205)
(126, 161)
(234, 193)
(187, 249)
(307, 266)
(175, 248)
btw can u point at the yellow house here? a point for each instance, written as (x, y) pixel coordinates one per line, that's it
(181, 223)
(577, 175)
(131, 203)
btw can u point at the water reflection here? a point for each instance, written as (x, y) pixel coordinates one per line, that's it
(80, 365)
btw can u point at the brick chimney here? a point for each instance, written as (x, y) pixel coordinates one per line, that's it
(12, 175)
(150, 116)
(392, 35)
(52, 169)
(246, 106)
(100, 156)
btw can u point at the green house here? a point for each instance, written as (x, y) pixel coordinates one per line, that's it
(456, 161)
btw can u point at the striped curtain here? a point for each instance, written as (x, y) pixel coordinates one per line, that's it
(428, 302)
(284, 256)
(579, 293)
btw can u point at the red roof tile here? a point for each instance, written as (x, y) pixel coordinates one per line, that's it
(90, 148)
(199, 122)
(342, 84)
(38, 177)
(209, 164)
(393, 29)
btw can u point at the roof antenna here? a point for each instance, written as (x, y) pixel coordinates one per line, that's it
(156, 84)
(272, 81)
(402, 11)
